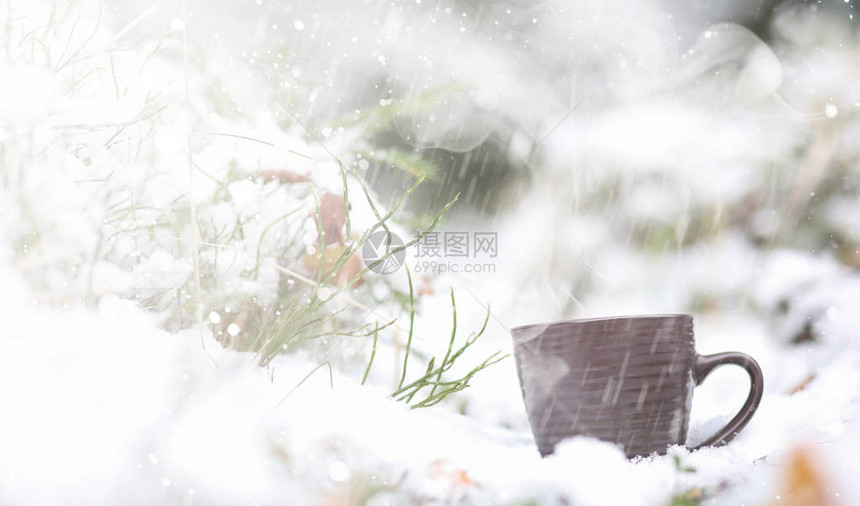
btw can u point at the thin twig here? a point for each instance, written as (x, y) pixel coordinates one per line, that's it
(372, 354)
(243, 137)
(136, 21)
(411, 327)
(537, 145)
(450, 344)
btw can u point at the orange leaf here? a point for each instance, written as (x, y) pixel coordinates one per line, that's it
(803, 480)
(425, 286)
(330, 255)
(436, 468)
(461, 478)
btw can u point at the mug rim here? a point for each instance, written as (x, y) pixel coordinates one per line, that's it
(601, 318)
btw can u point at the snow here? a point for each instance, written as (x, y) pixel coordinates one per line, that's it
(678, 182)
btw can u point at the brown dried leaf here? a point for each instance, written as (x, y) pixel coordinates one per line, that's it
(284, 176)
(332, 217)
(802, 385)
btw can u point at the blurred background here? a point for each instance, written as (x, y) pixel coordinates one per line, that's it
(612, 145)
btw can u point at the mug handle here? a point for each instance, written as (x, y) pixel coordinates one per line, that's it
(704, 365)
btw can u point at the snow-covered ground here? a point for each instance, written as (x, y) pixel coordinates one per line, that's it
(715, 175)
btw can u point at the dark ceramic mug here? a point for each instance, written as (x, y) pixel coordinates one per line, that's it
(628, 380)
